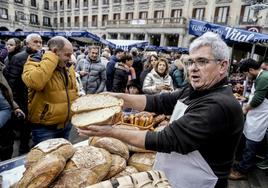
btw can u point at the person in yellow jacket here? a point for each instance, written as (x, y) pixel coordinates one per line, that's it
(51, 82)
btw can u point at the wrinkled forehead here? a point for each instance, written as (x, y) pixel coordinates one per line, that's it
(36, 39)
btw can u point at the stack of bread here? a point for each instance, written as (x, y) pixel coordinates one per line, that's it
(96, 109)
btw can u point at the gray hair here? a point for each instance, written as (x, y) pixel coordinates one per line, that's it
(31, 36)
(219, 48)
(57, 42)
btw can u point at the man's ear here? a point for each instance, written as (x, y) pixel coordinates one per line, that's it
(224, 66)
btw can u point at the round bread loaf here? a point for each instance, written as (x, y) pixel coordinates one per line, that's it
(57, 146)
(142, 161)
(76, 178)
(96, 159)
(114, 146)
(118, 165)
(103, 116)
(43, 172)
(95, 101)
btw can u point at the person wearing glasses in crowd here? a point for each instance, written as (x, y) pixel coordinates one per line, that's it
(13, 73)
(197, 148)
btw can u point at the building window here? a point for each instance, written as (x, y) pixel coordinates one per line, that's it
(19, 1)
(129, 15)
(33, 3)
(94, 21)
(117, 1)
(33, 19)
(130, 1)
(176, 13)
(61, 22)
(61, 5)
(19, 15)
(104, 19)
(46, 21)
(95, 2)
(46, 5)
(76, 21)
(143, 15)
(85, 3)
(158, 15)
(77, 4)
(199, 13)
(3, 13)
(246, 14)
(85, 21)
(55, 22)
(221, 14)
(69, 4)
(105, 2)
(116, 16)
(55, 5)
(68, 21)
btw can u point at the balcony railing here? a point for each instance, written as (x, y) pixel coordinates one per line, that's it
(160, 22)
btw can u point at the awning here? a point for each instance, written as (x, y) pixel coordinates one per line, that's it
(229, 34)
(73, 34)
(128, 44)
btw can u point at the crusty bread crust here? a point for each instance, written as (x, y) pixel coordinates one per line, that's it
(95, 101)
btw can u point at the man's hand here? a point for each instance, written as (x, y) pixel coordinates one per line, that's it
(83, 73)
(246, 108)
(95, 130)
(19, 113)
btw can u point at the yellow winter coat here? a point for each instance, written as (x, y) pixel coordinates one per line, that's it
(50, 93)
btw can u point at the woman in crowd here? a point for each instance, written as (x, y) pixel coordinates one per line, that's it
(148, 66)
(122, 73)
(13, 46)
(158, 80)
(179, 75)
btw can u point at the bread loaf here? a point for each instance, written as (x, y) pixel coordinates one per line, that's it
(57, 146)
(114, 146)
(95, 101)
(104, 116)
(43, 172)
(96, 159)
(76, 178)
(118, 165)
(142, 161)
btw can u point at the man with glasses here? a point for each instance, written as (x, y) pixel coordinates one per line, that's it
(13, 72)
(197, 148)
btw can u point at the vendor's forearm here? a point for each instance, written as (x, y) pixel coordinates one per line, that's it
(132, 137)
(137, 102)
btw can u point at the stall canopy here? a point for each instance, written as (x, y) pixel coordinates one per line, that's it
(128, 44)
(245, 39)
(167, 49)
(82, 36)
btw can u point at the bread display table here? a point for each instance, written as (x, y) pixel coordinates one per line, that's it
(11, 170)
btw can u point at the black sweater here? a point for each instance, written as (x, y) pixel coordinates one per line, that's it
(212, 124)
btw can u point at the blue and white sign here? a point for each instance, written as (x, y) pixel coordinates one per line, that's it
(229, 34)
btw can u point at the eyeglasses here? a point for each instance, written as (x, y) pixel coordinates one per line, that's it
(199, 62)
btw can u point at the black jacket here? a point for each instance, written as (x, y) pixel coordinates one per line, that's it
(120, 78)
(13, 72)
(212, 124)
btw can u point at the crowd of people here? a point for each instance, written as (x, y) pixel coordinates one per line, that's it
(38, 87)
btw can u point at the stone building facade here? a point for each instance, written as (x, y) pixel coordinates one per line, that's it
(161, 22)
